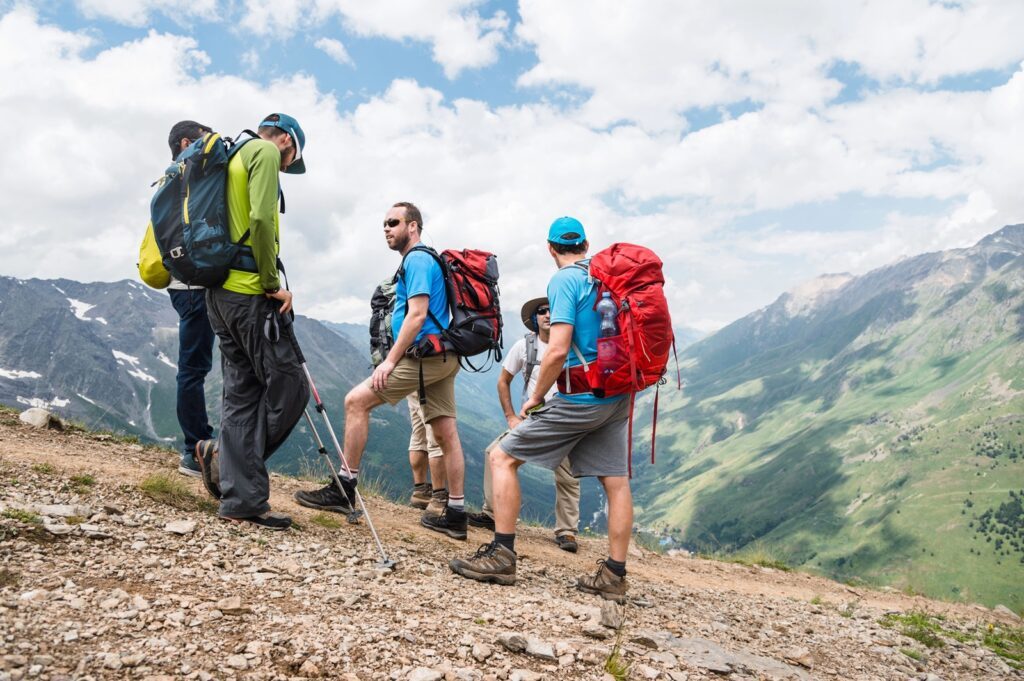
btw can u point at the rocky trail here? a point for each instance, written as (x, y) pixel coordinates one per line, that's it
(102, 579)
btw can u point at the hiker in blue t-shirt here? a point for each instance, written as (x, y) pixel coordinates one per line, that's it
(420, 314)
(590, 431)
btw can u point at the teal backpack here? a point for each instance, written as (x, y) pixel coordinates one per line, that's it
(189, 214)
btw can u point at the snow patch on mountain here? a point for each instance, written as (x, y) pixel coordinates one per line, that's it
(136, 370)
(16, 374)
(56, 402)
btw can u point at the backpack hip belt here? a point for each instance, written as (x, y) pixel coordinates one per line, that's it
(573, 381)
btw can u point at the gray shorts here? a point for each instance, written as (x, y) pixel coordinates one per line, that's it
(593, 436)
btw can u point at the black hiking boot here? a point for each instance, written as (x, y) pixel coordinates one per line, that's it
(328, 498)
(277, 522)
(480, 520)
(451, 522)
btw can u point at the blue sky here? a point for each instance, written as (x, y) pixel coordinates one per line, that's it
(754, 146)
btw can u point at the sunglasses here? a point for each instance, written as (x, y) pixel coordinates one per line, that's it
(392, 223)
(543, 310)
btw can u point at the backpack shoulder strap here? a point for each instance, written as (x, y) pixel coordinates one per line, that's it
(531, 361)
(400, 273)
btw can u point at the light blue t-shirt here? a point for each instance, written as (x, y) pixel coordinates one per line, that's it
(572, 299)
(423, 276)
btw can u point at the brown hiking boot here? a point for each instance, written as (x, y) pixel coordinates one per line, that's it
(605, 584)
(421, 495)
(567, 542)
(208, 458)
(438, 502)
(491, 563)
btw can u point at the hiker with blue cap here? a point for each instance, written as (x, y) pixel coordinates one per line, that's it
(265, 389)
(589, 431)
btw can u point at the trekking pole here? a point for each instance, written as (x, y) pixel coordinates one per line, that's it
(352, 516)
(385, 562)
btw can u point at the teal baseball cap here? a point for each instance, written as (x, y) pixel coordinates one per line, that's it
(567, 231)
(292, 127)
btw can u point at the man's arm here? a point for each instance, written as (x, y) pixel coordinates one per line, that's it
(263, 192)
(415, 315)
(505, 397)
(411, 325)
(551, 365)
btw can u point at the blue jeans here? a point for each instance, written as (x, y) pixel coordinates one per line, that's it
(195, 359)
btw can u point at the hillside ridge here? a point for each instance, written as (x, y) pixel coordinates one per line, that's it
(102, 580)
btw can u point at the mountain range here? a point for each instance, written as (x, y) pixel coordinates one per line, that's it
(103, 354)
(863, 427)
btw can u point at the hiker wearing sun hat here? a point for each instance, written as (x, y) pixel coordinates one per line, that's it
(524, 357)
(265, 389)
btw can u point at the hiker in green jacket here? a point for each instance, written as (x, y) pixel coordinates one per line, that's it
(265, 389)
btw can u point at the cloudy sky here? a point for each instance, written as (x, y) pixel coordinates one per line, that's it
(753, 145)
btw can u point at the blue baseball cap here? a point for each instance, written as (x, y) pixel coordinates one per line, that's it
(567, 231)
(292, 127)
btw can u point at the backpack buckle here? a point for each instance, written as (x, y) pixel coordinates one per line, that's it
(177, 252)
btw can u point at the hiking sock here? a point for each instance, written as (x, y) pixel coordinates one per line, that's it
(615, 567)
(351, 474)
(458, 503)
(506, 540)
(422, 487)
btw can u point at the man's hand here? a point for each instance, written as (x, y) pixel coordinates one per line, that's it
(285, 296)
(530, 404)
(513, 421)
(379, 380)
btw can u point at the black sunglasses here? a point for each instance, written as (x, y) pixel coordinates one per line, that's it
(393, 222)
(543, 310)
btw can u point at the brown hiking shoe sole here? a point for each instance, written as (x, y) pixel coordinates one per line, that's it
(503, 580)
(618, 598)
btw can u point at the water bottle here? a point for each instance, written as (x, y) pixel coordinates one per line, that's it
(607, 345)
(609, 316)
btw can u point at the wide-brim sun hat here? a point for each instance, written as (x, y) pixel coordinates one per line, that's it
(530, 309)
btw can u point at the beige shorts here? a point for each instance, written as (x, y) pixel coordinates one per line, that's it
(422, 437)
(438, 376)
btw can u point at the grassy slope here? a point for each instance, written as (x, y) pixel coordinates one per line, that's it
(857, 462)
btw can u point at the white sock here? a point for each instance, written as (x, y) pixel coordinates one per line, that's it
(458, 503)
(350, 474)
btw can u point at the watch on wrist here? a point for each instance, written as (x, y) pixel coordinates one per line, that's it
(272, 291)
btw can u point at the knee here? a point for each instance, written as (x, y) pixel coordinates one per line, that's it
(354, 404)
(499, 459)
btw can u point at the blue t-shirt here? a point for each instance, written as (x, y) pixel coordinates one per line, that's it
(423, 276)
(572, 299)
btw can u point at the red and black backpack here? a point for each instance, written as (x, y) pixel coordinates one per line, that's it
(471, 282)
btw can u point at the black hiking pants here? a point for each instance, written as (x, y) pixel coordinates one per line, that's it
(265, 391)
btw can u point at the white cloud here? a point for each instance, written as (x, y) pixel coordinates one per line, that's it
(461, 38)
(137, 12)
(653, 60)
(494, 177)
(335, 50)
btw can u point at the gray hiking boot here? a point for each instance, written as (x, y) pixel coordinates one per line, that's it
(491, 563)
(605, 584)
(438, 502)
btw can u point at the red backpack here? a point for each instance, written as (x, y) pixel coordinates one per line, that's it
(632, 275)
(471, 281)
